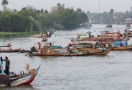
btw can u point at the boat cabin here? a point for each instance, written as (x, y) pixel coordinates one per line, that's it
(84, 35)
(48, 48)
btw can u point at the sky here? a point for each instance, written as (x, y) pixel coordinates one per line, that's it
(85, 5)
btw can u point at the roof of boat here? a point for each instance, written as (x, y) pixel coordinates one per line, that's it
(77, 42)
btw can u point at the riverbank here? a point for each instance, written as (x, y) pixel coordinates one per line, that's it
(17, 34)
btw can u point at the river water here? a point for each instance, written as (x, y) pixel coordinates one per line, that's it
(110, 72)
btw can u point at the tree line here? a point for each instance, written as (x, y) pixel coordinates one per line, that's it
(110, 17)
(31, 19)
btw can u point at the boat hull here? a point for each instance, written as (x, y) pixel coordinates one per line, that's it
(95, 51)
(122, 48)
(25, 79)
(13, 50)
(64, 54)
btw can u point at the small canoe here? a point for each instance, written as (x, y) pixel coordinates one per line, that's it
(19, 80)
(12, 50)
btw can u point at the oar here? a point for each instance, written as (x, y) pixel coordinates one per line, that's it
(26, 54)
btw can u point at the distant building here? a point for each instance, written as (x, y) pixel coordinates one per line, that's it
(130, 10)
(128, 20)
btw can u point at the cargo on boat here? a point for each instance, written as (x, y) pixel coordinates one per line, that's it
(91, 46)
(121, 46)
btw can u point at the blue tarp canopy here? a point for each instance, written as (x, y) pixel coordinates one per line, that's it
(118, 43)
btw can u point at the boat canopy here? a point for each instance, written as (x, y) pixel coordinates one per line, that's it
(85, 42)
(118, 43)
(84, 35)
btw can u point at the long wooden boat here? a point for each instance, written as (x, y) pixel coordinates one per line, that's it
(80, 53)
(5, 45)
(122, 48)
(49, 50)
(10, 50)
(19, 80)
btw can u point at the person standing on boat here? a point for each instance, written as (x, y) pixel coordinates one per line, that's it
(7, 66)
(39, 45)
(1, 66)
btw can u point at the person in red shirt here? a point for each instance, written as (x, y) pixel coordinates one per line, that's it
(39, 45)
(118, 35)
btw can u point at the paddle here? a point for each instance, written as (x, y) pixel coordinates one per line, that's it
(26, 54)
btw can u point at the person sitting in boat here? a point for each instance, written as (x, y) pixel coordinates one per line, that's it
(121, 45)
(8, 44)
(27, 68)
(43, 39)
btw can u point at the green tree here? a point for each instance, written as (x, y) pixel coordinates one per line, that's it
(4, 3)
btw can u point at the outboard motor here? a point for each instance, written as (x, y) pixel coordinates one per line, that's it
(33, 49)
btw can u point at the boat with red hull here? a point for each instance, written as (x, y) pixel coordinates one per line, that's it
(20, 80)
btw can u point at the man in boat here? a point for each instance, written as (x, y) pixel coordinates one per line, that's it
(7, 66)
(39, 45)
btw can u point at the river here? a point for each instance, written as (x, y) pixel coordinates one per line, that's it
(110, 72)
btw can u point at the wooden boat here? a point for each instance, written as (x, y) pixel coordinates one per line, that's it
(48, 35)
(88, 46)
(122, 48)
(128, 26)
(97, 51)
(10, 50)
(81, 53)
(18, 80)
(128, 33)
(109, 26)
(44, 40)
(49, 50)
(105, 35)
(5, 45)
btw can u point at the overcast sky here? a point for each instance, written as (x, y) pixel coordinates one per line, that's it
(85, 5)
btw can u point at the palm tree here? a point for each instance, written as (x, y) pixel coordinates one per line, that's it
(4, 3)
